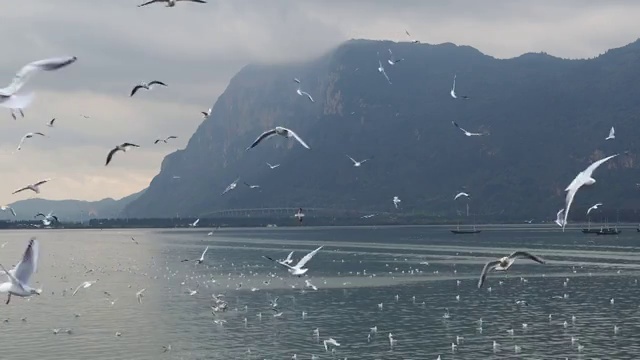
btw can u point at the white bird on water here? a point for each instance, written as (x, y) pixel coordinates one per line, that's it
(396, 200)
(27, 71)
(28, 136)
(612, 134)
(468, 133)
(139, 295)
(33, 187)
(84, 285)
(278, 130)
(460, 194)
(505, 263)
(124, 147)
(299, 268)
(19, 276)
(357, 163)
(381, 70)
(273, 166)
(308, 284)
(594, 207)
(170, 3)
(583, 178)
(330, 341)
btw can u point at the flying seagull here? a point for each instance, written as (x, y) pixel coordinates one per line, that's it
(206, 114)
(396, 201)
(299, 215)
(583, 178)
(296, 80)
(453, 90)
(279, 130)
(231, 186)
(170, 3)
(412, 41)
(465, 131)
(27, 71)
(201, 260)
(195, 223)
(298, 269)
(381, 70)
(28, 136)
(273, 166)
(48, 217)
(50, 123)
(460, 194)
(251, 186)
(19, 276)
(33, 187)
(84, 285)
(560, 218)
(146, 86)
(392, 60)
(304, 93)
(594, 207)
(122, 147)
(134, 240)
(165, 139)
(612, 134)
(505, 263)
(7, 207)
(357, 163)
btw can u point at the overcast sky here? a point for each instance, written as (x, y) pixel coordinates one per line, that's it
(197, 48)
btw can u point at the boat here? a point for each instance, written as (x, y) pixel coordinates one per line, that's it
(591, 231)
(469, 231)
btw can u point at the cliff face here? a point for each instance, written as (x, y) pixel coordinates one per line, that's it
(547, 119)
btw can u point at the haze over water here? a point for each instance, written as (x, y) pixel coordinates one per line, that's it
(424, 262)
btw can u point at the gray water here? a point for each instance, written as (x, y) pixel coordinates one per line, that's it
(358, 269)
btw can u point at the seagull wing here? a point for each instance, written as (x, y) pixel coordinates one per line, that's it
(13, 212)
(172, 137)
(278, 262)
(295, 136)
(23, 75)
(289, 256)
(157, 141)
(488, 266)
(262, 136)
(78, 288)
(355, 162)
(306, 258)
(204, 252)
(137, 87)
(156, 82)
(196, 1)
(29, 263)
(110, 155)
(17, 101)
(51, 121)
(21, 189)
(526, 255)
(150, 2)
(596, 164)
(308, 96)
(129, 145)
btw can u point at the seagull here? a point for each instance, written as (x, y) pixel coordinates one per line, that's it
(170, 3)
(144, 85)
(453, 90)
(298, 269)
(367, 216)
(7, 207)
(201, 260)
(304, 93)
(381, 70)
(19, 276)
(330, 341)
(505, 263)
(231, 186)
(33, 187)
(28, 136)
(84, 285)
(299, 215)
(50, 123)
(23, 75)
(412, 41)
(139, 295)
(460, 194)
(123, 147)
(134, 240)
(594, 207)
(47, 217)
(465, 131)
(252, 186)
(560, 218)
(206, 114)
(612, 134)
(583, 178)
(165, 139)
(357, 163)
(279, 130)
(308, 284)
(273, 166)
(396, 201)
(195, 223)
(392, 60)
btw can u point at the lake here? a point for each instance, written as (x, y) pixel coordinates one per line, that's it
(417, 274)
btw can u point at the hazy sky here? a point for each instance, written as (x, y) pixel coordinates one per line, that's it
(197, 48)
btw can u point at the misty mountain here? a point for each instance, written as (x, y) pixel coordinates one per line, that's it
(70, 210)
(546, 119)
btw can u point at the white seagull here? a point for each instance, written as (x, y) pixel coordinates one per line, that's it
(392, 60)
(19, 276)
(308, 284)
(139, 295)
(299, 215)
(612, 134)
(33, 187)
(273, 166)
(453, 89)
(460, 194)
(122, 147)
(279, 130)
(357, 163)
(28, 136)
(27, 71)
(330, 341)
(7, 207)
(50, 123)
(251, 186)
(505, 263)
(396, 200)
(304, 93)
(231, 186)
(206, 114)
(298, 269)
(381, 70)
(146, 86)
(165, 139)
(84, 285)
(583, 178)
(465, 131)
(412, 41)
(170, 3)
(201, 260)
(195, 223)
(594, 207)
(560, 218)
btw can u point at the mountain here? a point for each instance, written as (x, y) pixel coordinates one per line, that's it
(70, 210)
(547, 119)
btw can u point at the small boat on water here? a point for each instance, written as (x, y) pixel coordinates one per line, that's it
(469, 231)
